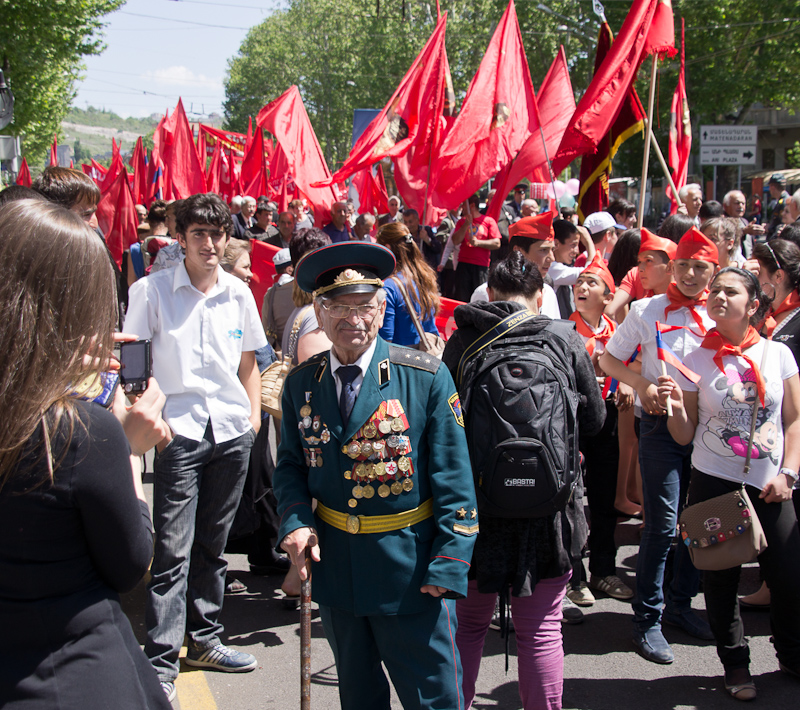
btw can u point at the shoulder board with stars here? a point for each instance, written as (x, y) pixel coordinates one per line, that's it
(400, 355)
(320, 360)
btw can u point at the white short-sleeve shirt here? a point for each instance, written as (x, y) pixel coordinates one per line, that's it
(724, 412)
(197, 345)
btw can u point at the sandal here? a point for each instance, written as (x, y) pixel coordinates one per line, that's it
(740, 691)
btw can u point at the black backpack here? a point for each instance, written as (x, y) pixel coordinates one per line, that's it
(520, 406)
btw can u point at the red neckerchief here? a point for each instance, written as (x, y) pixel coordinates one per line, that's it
(789, 303)
(716, 341)
(678, 300)
(592, 337)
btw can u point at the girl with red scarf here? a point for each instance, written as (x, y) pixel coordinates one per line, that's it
(736, 365)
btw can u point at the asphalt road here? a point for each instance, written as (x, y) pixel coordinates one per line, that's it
(601, 669)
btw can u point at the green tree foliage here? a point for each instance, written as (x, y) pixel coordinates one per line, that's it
(42, 44)
(793, 156)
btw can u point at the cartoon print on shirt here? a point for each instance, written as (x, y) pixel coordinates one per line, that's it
(728, 432)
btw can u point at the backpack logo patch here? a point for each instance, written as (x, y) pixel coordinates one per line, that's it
(455, 407)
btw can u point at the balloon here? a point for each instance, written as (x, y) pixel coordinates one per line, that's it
(573, 187)
(561, 188)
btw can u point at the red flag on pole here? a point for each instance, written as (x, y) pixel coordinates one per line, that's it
(644, 32)
(372, 195)
(186, 174)
(556, 103)
(281, 183)
(54, 151)
(498, 115)
(24, 174)
(287, 120)
(139, 165)
(596, 167)
(680, 130)
(254, 175)
(227, 187)
(116, 214)
(411, 114)
(214, 170)
(249, 138)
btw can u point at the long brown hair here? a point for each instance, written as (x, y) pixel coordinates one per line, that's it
(57, 305)
(412, 265)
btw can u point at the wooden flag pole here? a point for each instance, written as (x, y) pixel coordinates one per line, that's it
(649, 127)
(664, 166)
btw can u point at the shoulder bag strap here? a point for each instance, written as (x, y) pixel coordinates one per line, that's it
(293, 335)
(411, 310)
(754, 420)
(504, 326)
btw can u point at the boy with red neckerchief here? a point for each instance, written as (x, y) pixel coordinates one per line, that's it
(593, 291)
(665, 464)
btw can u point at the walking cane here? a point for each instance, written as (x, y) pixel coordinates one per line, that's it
(305, 631)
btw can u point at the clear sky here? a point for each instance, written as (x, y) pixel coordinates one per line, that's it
(159, 50)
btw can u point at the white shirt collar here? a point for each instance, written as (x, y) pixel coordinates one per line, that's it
(181, 279)
(363, 362)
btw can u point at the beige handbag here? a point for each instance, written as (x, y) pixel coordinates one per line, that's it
(428, 342)
(274, 376)
(725, 531)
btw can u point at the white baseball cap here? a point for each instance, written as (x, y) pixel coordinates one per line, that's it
(599, 222)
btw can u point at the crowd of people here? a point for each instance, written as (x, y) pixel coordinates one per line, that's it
(383, 443)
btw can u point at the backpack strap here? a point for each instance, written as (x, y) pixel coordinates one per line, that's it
(504, 326)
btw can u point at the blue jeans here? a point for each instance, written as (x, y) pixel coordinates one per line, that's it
(197, 488)
(666, 468)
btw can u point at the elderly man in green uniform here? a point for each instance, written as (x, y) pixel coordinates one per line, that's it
(374, 433)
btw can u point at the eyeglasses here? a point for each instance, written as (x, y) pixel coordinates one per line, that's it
(339, 310)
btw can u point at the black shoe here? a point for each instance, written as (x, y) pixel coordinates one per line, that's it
(278, 564)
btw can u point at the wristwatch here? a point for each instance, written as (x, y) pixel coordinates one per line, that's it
(794, 475)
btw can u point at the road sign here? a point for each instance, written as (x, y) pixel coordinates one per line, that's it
(728, 136)
(728, 155)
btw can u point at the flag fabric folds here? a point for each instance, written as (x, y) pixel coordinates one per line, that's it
(139, 165)
(680, 130)
(647, 29)
(371, 188)
(116, 213)
(286, 119)
(498, 115)
(666, 354)
(24, 174)
(184, 173)
(54, 151)
(254, 172)
(556, 103)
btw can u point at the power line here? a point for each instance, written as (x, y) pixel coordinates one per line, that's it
(223, 4)
(184, 22)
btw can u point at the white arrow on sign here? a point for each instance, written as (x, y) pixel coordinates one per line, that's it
(728, 155)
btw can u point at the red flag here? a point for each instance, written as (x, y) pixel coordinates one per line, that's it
(186, 174)
(139, 165)
(680, 130)
(116, 214)
(227, 181)
(287, 120)
(201, 148)
(214, 170)
(155, 175)
(281, 183)
(596, 167)
(54, 151)
(249, 138)
(228, 139)
(445, 320)
(372, 195)
(556, 103)
(24, 174)
(263, 269)
(411, 114)
(498, 115)
(643, 32)
(254, 175)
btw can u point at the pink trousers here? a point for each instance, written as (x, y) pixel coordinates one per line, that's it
(540, 648)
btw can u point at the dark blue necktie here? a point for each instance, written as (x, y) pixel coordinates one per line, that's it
(347, 398)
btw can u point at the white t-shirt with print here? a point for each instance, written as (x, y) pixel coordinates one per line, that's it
(725, 405)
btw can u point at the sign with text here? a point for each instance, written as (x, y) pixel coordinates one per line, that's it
(727, 155)
(728, 135)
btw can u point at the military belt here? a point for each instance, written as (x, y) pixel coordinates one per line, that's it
(365, 524)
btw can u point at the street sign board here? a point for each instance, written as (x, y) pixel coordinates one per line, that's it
(728, 135)
(728, 155)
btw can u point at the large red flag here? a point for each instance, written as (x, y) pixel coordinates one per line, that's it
(185, 173)
(54, 151)
(228, 139)
(114, 148)
(372, 195)
(556, 103)
(680, 130)
(24, 174)
(498, 115)
(647, 29)
(596, 167)
(287, 120)
(116, 213)
(263, 269)
(411, 114)
(227, 177)
(255, 175)
(281, 182)
(139, 165)
(214, 170)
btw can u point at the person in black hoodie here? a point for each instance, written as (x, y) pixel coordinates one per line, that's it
(532, 557)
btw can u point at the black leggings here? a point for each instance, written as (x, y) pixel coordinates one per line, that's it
(779, 563)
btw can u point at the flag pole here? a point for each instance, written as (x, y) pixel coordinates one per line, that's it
(664, 167)
(549, 163)
(649, 128)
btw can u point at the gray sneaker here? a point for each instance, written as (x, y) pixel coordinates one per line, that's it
(571, 614)
(169, 689)
(220, 658)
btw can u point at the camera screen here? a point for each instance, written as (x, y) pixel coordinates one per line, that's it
(133, 360)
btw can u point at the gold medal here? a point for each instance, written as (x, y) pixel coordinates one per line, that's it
(369, 491)
(397, 488)
(354, 449)
(380, 468)
(348, 475)
(384, 426)
(319, 461)
(305, 410)
(361, 471)
(358, 491)
(383, 491)
(370, 431)
(404, 463)
(408, 484)
(397, 424)
(352, 502)
(366, 448)
(371, 474)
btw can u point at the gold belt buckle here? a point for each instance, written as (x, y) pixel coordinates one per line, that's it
(353, 524)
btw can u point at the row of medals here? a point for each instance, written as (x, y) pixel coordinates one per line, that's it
(372, 447)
